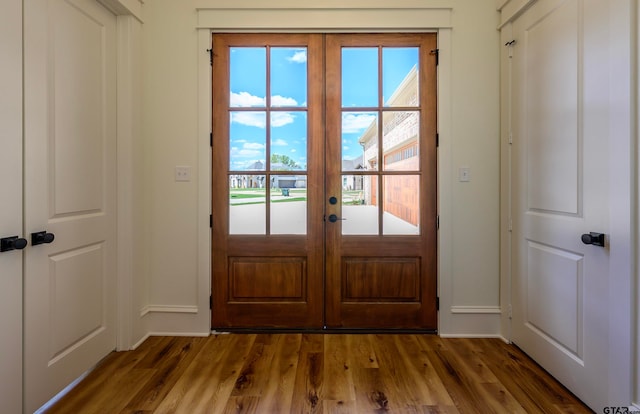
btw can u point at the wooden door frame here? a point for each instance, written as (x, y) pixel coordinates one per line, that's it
(423, 246)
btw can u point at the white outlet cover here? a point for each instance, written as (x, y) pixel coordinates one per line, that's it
(183, 173)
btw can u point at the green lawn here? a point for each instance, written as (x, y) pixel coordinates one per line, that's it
(295, 194)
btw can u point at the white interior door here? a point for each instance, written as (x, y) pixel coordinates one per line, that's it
(11, 205)
(70, 136)
(560, 188)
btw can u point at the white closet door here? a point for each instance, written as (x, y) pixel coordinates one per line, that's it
(11, 205)
(70, 183)
(560, 185)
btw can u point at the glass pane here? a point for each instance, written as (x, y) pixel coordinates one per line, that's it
(359, 77)
(248, 76)
(247, 204)
(288, 141)
(359, 204)
(289, 204)
(288, 77)
(401, 204)
(247, 141)
(400, 141)
(359, 141)
(400, 76)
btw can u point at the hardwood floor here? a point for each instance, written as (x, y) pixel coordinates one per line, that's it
(316, 373)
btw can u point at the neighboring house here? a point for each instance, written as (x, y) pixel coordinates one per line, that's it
(257, 180)
(400, 152)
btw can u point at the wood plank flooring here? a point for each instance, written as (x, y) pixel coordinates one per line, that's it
(319, 373)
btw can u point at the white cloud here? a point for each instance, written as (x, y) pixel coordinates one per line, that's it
(294, 150)
(346, 148)
(248, 150)
(279, 142)
(253, 146)
(356, 123)
(280, 119)
(245, 99)
(254, 119)
(248, 153)
(299, 57)
(278, 100)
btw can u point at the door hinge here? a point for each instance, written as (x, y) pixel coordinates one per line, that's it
(210, 221)
(210, 302)
(437, 222)
(510, 138)
(510, 311)
(210, 56)
(510, 224)
(436, 53)
(437, 140)
(437, 303)
(211, 139)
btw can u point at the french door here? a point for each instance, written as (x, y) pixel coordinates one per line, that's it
(324, 181)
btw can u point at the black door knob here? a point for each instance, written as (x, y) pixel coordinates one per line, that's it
(333, 200)
(41, 237)
(12, 243)
(597, 239)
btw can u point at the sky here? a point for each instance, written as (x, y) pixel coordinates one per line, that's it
(248, 69)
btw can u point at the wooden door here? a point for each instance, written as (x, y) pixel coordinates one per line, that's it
(560, 165)
(267, 181)
(381, 232)
(11, 206)
(282, 177)
(70, 182)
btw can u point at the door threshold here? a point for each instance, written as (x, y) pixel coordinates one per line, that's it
(222, 331)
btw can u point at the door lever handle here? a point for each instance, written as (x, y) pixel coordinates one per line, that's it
(597, 239)
(333, 218)
(41, 237)
(12, 243)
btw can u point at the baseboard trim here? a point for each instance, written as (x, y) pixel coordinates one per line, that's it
(197, 334)
(476, 309)
(474, 336)
(137, 344)
(168, 309)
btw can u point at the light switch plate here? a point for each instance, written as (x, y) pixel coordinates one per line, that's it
(464, 174)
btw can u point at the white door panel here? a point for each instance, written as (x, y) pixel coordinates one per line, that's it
(11, 205)
(70, 125)
(560, 153)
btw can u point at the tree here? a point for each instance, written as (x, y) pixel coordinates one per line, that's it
(285, 160)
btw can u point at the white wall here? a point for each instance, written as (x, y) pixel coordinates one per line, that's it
(469, 127)
(475, 210)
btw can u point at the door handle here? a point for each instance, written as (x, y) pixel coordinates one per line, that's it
(597, 239)
(41, 237)
(12, 243)
(333, 218)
